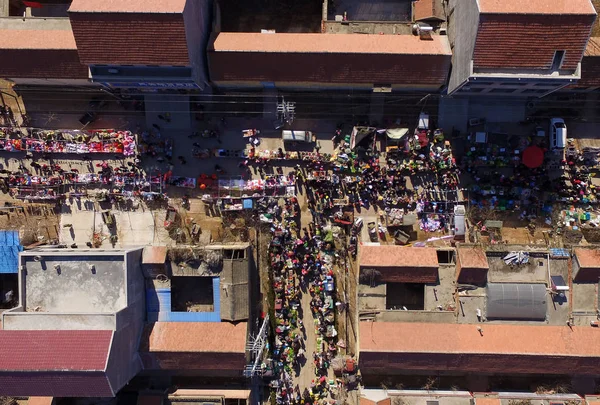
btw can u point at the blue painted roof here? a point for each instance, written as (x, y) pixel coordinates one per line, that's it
(158, 307)
(10, 247)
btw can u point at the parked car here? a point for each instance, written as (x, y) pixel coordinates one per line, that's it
(558, 133)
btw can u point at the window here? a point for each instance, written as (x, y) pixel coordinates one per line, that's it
(559, 56)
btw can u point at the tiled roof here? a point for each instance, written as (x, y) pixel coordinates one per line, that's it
(217, 348)
(57, 64)
(211, 337)
(427, 10)
(366, 401)
(51, 350)
(330, 59)
(536, 6)
(129, 6)
(590, 72)
(472, 257)
(510, 41)
(40, 400)
(487, 401)
(331, 43)
(397, 256)
(55, 363)
(55, 384)
(588, 258)
(130, 39)
(508, 349)
(465, 339)
(37, 39)
(407, 70)
(182, 393)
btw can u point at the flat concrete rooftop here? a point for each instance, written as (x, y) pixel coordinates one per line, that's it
(73, 286)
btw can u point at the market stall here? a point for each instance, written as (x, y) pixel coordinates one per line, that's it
(69, 141)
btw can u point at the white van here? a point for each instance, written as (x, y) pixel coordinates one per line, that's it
(558, 133)
(296, 136)
(459, 222)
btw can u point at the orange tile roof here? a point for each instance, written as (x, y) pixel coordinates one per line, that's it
(213, 337)
(400, 337)
(529, 41)
(37, 39)
(226, 393)
(397, 256)
(366, 401)
(487, 401)
(428, 9)
(330, 43)
(473, 258)
(536, 7)
(588, 258)
(131, 38)
(40, 400)
(129, 6)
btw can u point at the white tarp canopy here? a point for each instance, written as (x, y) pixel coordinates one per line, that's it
(360, 133)
(396, 133)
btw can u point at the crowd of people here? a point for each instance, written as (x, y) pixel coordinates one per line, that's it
(301, 263)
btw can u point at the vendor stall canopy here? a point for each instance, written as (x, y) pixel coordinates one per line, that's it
(508, 301)
(533, 156)
(396, 133)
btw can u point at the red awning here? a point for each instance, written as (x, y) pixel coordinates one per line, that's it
(533, 157)
(33, 4)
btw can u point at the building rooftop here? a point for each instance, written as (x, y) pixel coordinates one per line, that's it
(330, 43)
(487, 401)
(473, 257)
(500, 43)
(54, 350)
(397, 256)
(131, 38)
(55, 363)
(466, 339)
(428, 10)
(58, 282)
(215, 337)
(130, 6)
(536, 7)
(588, 258)
(37, 39)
